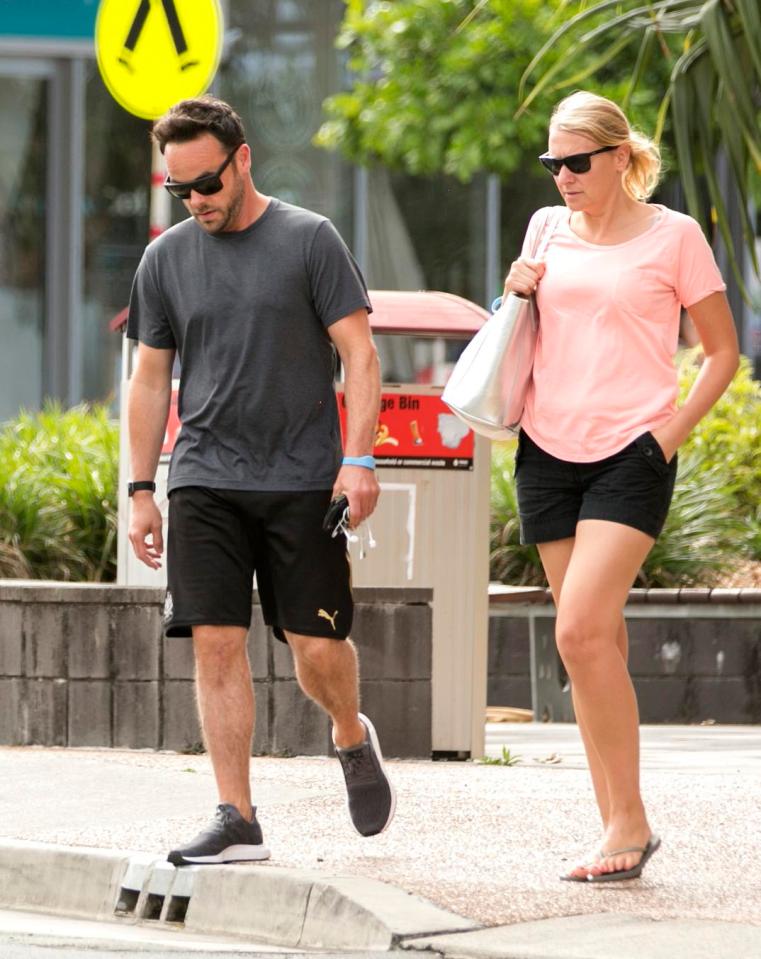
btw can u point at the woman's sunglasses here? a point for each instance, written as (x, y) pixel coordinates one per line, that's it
(577, 163)
(206, 185)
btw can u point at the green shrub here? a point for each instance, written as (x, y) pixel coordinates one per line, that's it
(729, 440)
(58, 482)
(509, 562)
(715, 516)
(703, 535)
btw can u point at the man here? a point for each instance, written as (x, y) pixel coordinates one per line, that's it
(255, 295)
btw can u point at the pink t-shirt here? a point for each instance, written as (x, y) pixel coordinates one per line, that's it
(609, 327)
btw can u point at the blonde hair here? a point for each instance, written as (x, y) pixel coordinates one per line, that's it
(604, 121)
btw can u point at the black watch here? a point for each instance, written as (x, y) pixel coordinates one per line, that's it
(140, 485)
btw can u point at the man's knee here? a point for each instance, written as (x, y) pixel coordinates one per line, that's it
(318, 652)
(218, 649)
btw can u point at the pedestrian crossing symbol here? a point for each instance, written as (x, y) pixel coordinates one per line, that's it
(152, 53)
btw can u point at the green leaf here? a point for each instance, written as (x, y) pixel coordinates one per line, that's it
(682, 112)
(569, 26)
(727, 55)
(735, 145)
(594, 64)
(724, 33)
(750, 16)
(644, 57)
(58, 480)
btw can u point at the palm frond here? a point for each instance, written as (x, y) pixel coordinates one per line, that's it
(712, 98)
(749, 13)
(644, 56)
(728, 54)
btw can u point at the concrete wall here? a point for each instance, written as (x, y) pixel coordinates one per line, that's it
(88, 665)
(695, 655)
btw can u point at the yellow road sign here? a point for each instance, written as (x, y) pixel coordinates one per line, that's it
(152, 53)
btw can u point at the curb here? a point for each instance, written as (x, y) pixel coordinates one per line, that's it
(273, 905)
(606, 935)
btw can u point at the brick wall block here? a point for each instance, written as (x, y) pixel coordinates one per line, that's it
(401, 714)
(178, 659)
(710, 648)
(136, 715)
(666, 700)
(261, 745)
(509, 691)
(394, 642)
(509, 650)
(12, 694)
(43, 711)
(299, 726)
(727, 698)
(182, 730)
(136, 642)
(46, 628)
(281, 658)
(89, 713)
(258, 641)
(722, 650)
(89, 643)
(11, 639)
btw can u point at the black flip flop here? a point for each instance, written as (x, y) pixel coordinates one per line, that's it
(635, 872)
(647, 850)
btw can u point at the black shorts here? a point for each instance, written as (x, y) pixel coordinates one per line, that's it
(219, 538)
(632, 487)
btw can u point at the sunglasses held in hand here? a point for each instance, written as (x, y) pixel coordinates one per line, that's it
(576, 163)
(337, 517)
(206, 185)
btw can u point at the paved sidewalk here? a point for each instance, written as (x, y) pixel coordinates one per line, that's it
(485, 842)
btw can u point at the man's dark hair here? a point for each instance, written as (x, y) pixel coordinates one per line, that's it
(190, 119)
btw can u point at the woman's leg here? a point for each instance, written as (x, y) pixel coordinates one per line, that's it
(603, 564)
(555, 558)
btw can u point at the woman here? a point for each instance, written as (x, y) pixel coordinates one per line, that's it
(597, 451)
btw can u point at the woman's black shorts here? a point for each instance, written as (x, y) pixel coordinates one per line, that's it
(219, 538)
(632, 487)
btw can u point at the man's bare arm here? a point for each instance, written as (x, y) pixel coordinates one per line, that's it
(150, 392)
(354, 343)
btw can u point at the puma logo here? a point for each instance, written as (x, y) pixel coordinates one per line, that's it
(331, 619)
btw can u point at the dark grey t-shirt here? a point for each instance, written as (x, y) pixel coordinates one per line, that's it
(248, 314)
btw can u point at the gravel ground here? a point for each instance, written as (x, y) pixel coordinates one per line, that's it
(485, 841)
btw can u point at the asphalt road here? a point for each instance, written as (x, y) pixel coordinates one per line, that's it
(26, 935)
(13, 949)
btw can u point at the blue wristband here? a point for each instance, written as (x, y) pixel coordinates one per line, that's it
(496, 304)
(367, 461)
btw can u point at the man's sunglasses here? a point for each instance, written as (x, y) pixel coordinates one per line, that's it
(577, 163)
(206, 185)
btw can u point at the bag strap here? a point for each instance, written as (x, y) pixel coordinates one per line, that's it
(551, 220)
(544, 236)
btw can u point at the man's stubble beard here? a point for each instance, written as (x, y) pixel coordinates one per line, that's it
(234, 208)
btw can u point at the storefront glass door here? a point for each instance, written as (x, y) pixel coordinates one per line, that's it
(23, 201)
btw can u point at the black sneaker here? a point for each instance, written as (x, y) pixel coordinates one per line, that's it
(228, 838)
(369, 795)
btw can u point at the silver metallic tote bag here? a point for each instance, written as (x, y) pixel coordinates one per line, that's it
(488, 386)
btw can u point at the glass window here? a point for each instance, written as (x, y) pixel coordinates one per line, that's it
(424, 234)
(117, 196)
(281, 66)
(23, 139)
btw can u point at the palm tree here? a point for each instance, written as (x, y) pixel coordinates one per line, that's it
(713, 96)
